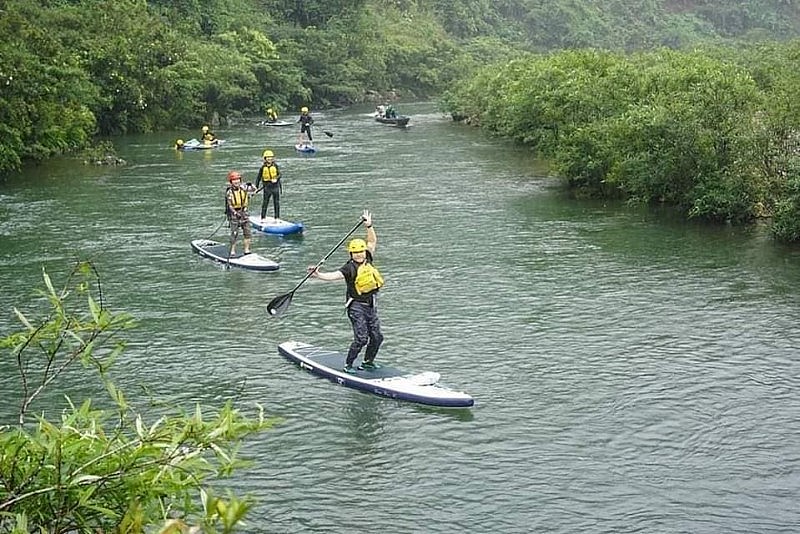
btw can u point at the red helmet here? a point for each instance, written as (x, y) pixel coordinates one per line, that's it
(234, 175)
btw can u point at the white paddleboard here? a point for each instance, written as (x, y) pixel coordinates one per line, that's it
(386, 381)
(218, 252)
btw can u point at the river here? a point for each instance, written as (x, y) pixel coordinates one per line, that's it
(632, 372)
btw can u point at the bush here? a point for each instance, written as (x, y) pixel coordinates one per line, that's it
(112, 469)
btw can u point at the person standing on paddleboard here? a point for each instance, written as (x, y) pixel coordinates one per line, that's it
(305, 120)
(363, 283)
(236, 199)
(270, 175)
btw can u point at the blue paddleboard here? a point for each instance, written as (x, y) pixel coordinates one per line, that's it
(271, 225)
(306, 149)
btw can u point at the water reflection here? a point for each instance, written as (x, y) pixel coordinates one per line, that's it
(364, 417)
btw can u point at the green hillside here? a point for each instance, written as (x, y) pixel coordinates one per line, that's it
(74, 69)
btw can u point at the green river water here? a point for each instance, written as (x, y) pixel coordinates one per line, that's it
(632, 372)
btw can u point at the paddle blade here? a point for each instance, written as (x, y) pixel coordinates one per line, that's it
(329, 134)
(279, 304)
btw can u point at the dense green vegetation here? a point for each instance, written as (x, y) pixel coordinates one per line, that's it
(715, 133)
(714, 128)
(74, 69)
(108, 466)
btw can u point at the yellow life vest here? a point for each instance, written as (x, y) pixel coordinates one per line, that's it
(367, 279)
(238, 198)
(270, 173)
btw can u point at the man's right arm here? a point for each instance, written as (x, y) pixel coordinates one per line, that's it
(328, 276)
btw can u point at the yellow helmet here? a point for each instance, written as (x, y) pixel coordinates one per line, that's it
(204, 128)
(179, 142)
(267, 154)
(269, 110)
(304, 110)
(356, 245)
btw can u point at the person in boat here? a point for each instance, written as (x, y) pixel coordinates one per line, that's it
(363, 282)
(207, 136)
(380, 110)
(272, 116)
(236, 200)
(390, 112)
(306, 120)
(269, 178)
(179, 145)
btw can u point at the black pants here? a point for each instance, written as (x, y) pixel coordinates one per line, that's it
(366, 331)
(273, 191)
(306, 129)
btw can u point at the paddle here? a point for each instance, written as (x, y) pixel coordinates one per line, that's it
(279, 304)
(218, 227)
(326, 132)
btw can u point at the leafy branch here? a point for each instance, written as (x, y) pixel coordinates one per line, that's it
(109, 469)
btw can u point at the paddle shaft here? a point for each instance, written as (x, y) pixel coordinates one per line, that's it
(328, 255)
(233, 242)
(218, 227)
(279, 304)
(326, 132)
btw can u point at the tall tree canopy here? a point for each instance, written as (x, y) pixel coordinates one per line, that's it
(72, 69)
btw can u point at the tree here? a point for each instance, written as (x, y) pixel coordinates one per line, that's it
(114, 469)
(306, 13)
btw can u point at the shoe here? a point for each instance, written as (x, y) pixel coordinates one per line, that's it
(349, 370)
(246, 252)
(369, 366)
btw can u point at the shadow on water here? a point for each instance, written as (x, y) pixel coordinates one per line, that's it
(462, 415)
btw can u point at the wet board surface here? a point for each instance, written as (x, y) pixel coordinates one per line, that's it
(386, 381)
(271, 225)
(194, 144)
(214, 250)
(306, 149)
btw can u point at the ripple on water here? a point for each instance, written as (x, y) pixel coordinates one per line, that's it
(631, 374)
